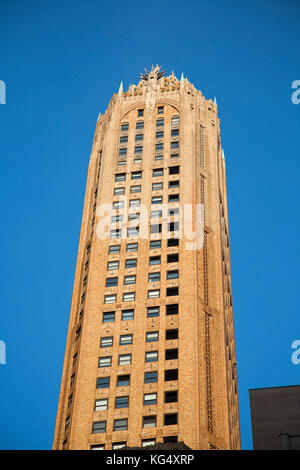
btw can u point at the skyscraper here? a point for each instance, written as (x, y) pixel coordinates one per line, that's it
(150, 353)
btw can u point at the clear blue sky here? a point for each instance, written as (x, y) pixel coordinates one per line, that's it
(61, 62)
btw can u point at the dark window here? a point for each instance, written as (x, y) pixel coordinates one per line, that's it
(172, 309)
(123, 380)
(172, 274)
(123, 402)
(124, 139)
(160, 122)
(173, 170)
(127, 314)
(173, 197)
(171, 374)
(173, 242)
(159, 147)
(152, 312)
(149, 421)
(172, 226)
(170, 418)
(174, 145)
(158, 172)
(160, 110)
(174, 132)
(154, 277)
(139, 137)
(123, 151)
(140, 112)
(172, 334)
(111, 281)
(154, 260)
(150, 377)
(120, 424)
(114, 249)
(172, 291)
(135, 175)
(173, 439)
(171, 354)
(172, 258)
(174, 184)
(160, 134)
(103, 382)
(140, 125)
(120, 177)
(138, 149)
(171, 396)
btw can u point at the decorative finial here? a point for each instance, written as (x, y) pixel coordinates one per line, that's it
(121, 88)
(155, 71)
(223, 156)
(215, 101)
(182, 78)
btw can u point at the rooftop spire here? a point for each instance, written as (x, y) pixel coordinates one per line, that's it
(121, 88)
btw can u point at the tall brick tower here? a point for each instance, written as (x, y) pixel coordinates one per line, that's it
(150, 353)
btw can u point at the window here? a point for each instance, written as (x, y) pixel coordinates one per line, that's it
(111, 281)
(158, 172)
(175, 121)
(159, 122)
(149, 421)
(160, 134)
(108, 317)
(174, 184)
(153, 260)
(99, 426)
(114, 249)
(150, 377)
(174, 132)
(157, 186)
(174, 155)
(172, 334)
(156, 200)
(154, 277)
(172, 274)
(134, 202)
(150, 399)
(170, 418)
(132, 232)
(119, 190)
(173, 242)
(70, 400)
(110, 299)
(171, 396)
(173, 439)
(136, 175)
(125, 339)
(104, 361)
(98, 447)
(125, 127)
(156, 228)
(116, 218)
(155, 244)
(140, 125)
(151, 356)
(172, 258)
(129, 296)
(123, 380)
(148, 442)
(151, 336)
(120, 177)
(124, 359)
(129, 280)
(122, 162)
(158, 156)
(101, 404)
(172, 291)
(127, 314)
(123, 139)
(116, 233)
(153, 294)
(131, 247)
(171, 354)
(139, 137)
(120, 424)
(130, 263)
(152, 312)
(138, 149)
(140, 112)
(106, 342)
(118, 445)
(173, 170)
(122, 402)
(72, 379)
(159, 147)
(171, 374)
(78, 331)
(103, 382)
(118, 204)
(156, 214)
(173, 197)
(135, 189)
(138, 160)
(174, 145)
(160, 110)
(123, 151)
(112, 265)
(134, 216)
